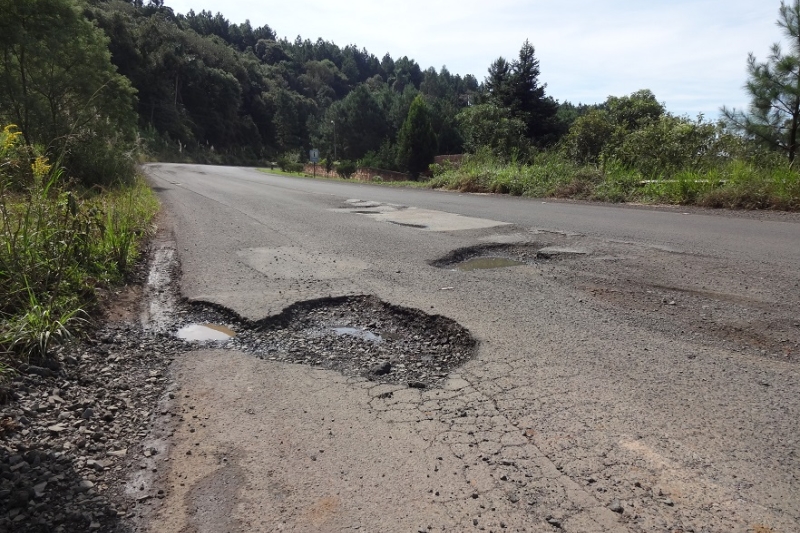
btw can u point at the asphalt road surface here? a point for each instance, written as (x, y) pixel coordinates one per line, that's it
(637, 372)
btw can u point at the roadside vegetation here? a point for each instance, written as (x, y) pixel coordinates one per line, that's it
(72, 210)
(59, 244)
(630, 148)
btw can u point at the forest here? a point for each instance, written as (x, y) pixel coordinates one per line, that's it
(138, 80)
(209, 90)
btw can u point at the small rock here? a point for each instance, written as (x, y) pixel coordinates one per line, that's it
(84, 485)
(39, 489)
(616, 506)
(382, 369)
(555, 522)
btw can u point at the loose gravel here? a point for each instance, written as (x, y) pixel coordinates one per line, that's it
(73, 428)
(356, 335)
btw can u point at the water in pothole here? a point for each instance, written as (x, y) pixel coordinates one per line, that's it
(205, 333)
(358, 333)
(482, 263)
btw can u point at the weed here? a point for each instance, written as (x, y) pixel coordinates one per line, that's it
(57, 246)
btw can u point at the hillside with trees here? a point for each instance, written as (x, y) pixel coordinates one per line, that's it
(208, 89)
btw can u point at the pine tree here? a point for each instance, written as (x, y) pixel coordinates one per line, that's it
(529, 101)
(416, 142)
(774, 89)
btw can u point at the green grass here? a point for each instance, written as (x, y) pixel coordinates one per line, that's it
(734, 184)
(58, 246)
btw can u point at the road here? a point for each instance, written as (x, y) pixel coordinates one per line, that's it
(640, 373)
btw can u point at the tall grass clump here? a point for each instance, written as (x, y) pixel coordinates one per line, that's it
(58, 245)
(544, 174)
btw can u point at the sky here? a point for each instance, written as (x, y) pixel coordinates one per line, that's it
(691, 53)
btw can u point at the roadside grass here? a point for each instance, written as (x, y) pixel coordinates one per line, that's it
(58, 246)
(733, 184)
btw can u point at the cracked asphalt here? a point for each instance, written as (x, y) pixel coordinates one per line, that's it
(640, 376)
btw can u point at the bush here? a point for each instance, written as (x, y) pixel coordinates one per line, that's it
(287, 165)
(57, 246)
(346, 169)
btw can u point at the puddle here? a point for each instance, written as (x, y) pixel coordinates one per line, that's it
(205, 332)
(483, 263)
(358, 333)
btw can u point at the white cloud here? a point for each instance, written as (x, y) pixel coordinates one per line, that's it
(690, 53)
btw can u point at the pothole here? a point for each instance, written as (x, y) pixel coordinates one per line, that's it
(356, 335)
(482, 263)
(500, 255)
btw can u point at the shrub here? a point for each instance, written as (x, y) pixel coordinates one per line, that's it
(346, 169)
(57, 246)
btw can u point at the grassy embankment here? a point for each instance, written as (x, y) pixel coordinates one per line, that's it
(59, 244)
(735, 184)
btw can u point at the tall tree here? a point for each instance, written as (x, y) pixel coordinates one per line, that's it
(58, 85)
(774, 88)
(529, 101)
(515, 86)
(417, 140)
(498, 83)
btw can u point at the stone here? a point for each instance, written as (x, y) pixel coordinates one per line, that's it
(38, 490)
(616, 506)
(84, 485)
(382, 369)
(555, 522)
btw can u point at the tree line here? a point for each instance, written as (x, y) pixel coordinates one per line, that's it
(97, 81)
(81, 74)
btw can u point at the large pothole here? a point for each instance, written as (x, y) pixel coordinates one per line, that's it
(356, 335)
(501, 255)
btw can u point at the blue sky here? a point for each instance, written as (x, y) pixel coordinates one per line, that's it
(691, 53)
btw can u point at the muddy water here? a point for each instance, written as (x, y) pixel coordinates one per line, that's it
(205, 332)
(482, 263)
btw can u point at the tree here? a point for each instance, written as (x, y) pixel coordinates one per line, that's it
(58, 85)
(487, 125)
(515, 86)
(588, 136)
(634, 111)
(498, 83)
(416, 142)
(774, 89)
(361, 124)
(529, 101)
